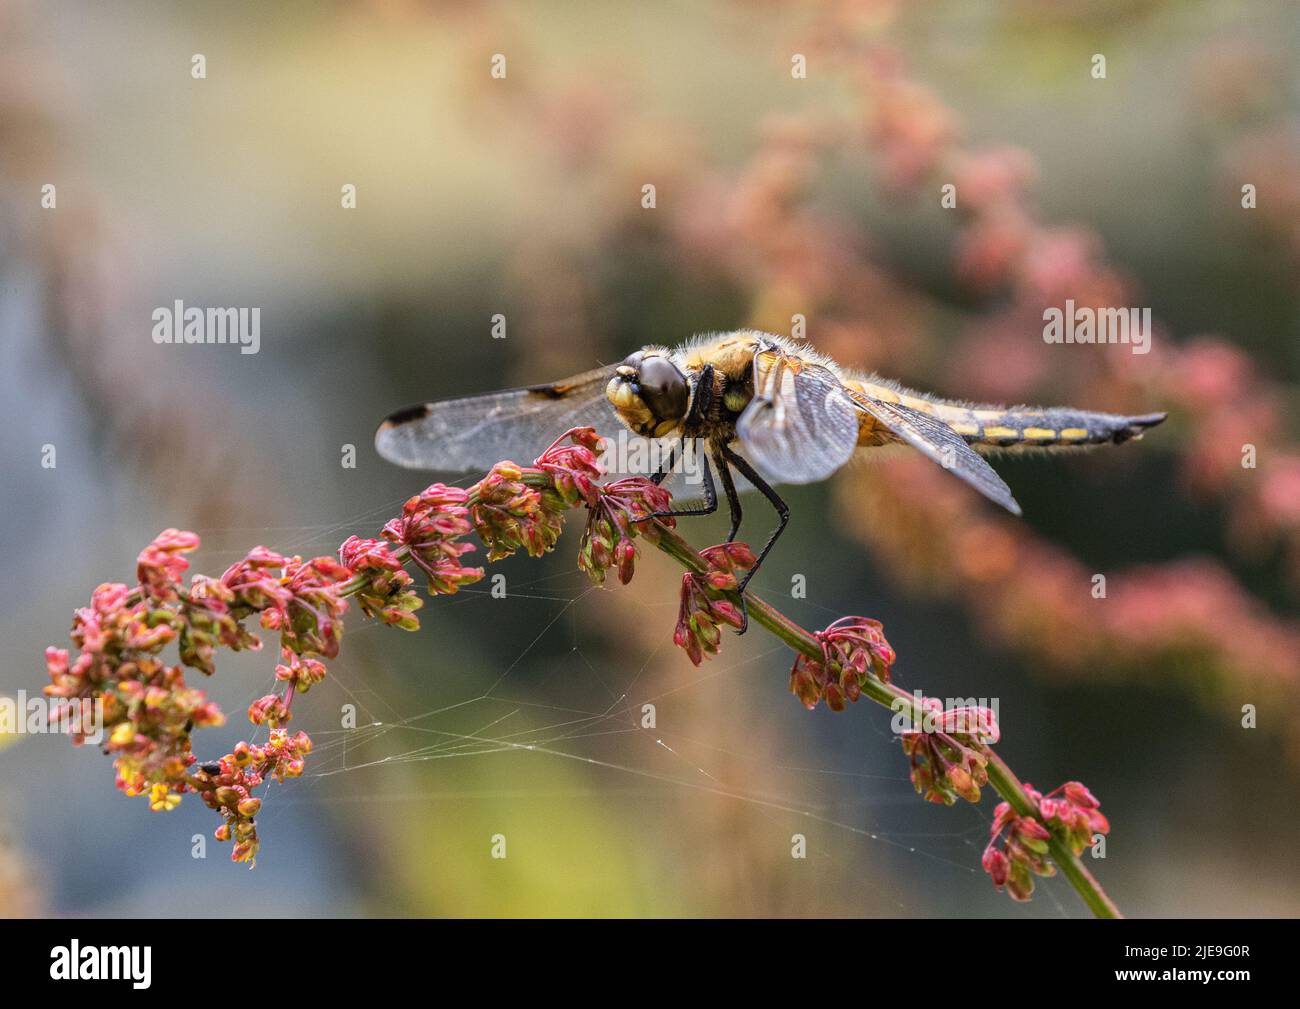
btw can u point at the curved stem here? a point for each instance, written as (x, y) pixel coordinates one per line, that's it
(767, 616)
(1001, 777)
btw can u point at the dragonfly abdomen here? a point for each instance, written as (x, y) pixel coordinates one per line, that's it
(1010, 428)
(1057, 427)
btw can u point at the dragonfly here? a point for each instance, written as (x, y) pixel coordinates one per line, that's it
(760, 409)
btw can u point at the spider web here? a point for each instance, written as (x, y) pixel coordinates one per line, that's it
(546, 726)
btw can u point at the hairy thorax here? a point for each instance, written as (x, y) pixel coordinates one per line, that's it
(719, 372)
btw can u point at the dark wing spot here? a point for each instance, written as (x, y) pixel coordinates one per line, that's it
(551, 391)
(407, 414)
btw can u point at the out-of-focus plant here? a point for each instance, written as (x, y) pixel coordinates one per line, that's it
(763, 234)
(150, 712)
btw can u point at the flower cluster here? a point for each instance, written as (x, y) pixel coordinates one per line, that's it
(1023, 854)
(149, 710)
(946, 755)
(575, 467)
(161, 564)
(300, 599)
(704, 603)
(430, 528)
(852, 649)
(386, 593)
(209, 620)
(227, 785)
(622, 512)
(310, 623)
(1077, 812)
(1071, 809)
(509, 515)
(300, 673)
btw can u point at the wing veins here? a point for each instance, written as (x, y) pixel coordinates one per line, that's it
(474, 432)
(935, 438)
(800, 426)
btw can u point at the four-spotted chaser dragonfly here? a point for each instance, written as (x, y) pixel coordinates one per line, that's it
(769, 408)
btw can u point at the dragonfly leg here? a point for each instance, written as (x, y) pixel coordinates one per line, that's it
(710, 498)
(667, 467)
(733, 499)
(782, 510)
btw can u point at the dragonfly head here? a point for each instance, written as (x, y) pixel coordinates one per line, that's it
(650, 393)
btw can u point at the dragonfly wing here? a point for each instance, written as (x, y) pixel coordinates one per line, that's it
(942, 444)
(455, 435)
(801, 426)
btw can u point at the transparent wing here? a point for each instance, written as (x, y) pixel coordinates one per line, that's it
(455, 435)
(801, 426)
(942, 444)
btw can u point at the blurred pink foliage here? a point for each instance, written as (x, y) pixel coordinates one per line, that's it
(761, 229)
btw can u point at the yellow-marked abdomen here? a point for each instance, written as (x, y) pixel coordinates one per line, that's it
(994, 427)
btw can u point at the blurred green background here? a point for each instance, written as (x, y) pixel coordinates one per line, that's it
(775, 195)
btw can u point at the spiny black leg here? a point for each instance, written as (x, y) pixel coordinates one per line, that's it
(733, 499)
(667, 467)
(710, 497)
(782, 510)
(733, 503)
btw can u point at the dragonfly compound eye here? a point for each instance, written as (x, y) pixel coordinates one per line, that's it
(663, 388)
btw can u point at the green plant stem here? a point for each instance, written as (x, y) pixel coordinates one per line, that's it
(1001, 777)
(767, 616)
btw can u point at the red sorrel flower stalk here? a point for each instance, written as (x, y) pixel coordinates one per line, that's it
(150, 712)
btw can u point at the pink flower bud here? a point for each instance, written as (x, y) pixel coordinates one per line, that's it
(996, 865)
